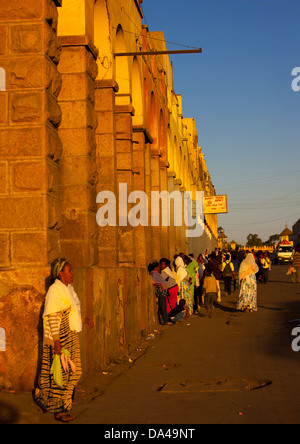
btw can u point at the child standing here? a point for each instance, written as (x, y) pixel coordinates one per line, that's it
(210, 291)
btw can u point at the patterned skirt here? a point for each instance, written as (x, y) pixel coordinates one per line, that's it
(185, 293)
(248, 294)
(49, 396)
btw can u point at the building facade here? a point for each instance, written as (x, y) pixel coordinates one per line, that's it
(76, 120)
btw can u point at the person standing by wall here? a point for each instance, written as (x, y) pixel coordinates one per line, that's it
(161, 292)
(62, 325)
(172, 287)
(185, 281)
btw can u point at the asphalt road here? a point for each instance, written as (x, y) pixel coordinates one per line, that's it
(237, 368)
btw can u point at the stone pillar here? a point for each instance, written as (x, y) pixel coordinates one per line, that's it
(78, 174)
(124, 155)
(156, 186)
(183, 239)
(177, 186)
(105, 91)
(172, 230)
(30, 151)
(164, 230)
(148, 188)
(78, 171)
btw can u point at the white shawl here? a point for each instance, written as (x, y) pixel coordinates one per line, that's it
(248, 267)
(169, 272)
(60, 298)
(181, 270)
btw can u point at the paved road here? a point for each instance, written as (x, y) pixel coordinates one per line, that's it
(202, 371)
(204, 363)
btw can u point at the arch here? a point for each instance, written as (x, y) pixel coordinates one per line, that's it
(137, 94)
(102, 40)
(122, 69)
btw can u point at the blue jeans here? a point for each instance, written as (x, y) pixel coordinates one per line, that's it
(179, 317)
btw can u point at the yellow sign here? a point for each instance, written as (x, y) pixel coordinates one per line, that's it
(215, 204)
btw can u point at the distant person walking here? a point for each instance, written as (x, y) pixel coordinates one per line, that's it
(248, 285)
(228, 273)
(210, 291)
(215, 268)
(265, 264)
(236, 264)
(296, 265)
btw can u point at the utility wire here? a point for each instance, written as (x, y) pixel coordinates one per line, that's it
(172, 43)
(263, 222)
(159, 40)
(275, 7)
(244, 182)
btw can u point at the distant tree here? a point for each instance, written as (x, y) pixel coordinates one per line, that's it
(253, 240)
(273, 240)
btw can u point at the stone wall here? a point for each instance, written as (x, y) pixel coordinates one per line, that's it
(30, 150)
(76, 121)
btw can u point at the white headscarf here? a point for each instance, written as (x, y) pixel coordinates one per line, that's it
(181, 270)
(248, 267)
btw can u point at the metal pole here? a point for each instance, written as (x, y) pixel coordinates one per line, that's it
(146, 53)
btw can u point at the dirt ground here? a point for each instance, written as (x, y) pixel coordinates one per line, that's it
(237, 368)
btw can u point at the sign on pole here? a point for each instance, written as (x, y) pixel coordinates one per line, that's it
(215, 204)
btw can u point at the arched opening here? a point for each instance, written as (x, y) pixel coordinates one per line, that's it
(122, 70)
(102, 41)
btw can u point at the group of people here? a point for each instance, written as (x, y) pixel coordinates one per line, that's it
(181, 285)
(185, 283)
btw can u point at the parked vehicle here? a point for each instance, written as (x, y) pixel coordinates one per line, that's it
(285, 253)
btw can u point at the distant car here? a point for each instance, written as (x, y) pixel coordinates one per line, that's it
(285, 254)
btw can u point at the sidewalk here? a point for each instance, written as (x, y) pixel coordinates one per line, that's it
(202, 371)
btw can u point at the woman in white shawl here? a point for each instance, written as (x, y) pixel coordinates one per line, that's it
(62, 325)
(184, 283)
(248, 285)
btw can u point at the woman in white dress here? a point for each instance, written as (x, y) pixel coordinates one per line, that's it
(184, 283)
(248, 285)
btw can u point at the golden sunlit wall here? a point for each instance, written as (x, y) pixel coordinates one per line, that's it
(79, 120)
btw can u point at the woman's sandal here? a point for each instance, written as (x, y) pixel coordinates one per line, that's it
(64, 417)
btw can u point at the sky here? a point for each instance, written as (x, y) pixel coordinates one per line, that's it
(239, 91)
